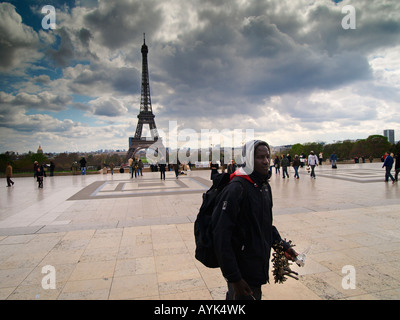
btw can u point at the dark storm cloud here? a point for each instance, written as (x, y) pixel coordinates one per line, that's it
(249, 53)
(97, 79)
(65, 52)
(119, 23)
(18, 42)
(42, 101)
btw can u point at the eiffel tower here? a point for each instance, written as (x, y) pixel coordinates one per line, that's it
(145, 115)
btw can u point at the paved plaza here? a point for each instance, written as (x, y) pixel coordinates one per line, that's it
(112, 237)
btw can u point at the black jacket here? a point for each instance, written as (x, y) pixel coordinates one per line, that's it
(242, 230)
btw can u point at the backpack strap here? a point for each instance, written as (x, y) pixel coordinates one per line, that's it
(242, 181)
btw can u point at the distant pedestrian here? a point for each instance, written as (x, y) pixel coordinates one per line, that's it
(40, 175)
(371, 158)
(162, 165)
(302, 159)
(140, 167)
(333, 160)
(388, 163)
(277, 165)
(214, 169)
(83, 165)
(130, 161)
(74, 167)
(397, 166)
(35, 169)
(312, 162)
(320, 158)
(176, 169)
(112, 168)
(289, 157)
(52, 167)
(296, 165)
(284, 164)
(9, 175)
(135, 166)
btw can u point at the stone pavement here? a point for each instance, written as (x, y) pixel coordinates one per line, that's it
(112, 237)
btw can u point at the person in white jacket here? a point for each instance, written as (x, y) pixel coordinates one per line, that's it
(312, 162)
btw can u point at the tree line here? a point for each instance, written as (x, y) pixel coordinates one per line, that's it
(62, 161)
(374, 146)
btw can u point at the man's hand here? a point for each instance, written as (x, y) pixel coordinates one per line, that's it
(291, 254)
(241, 288)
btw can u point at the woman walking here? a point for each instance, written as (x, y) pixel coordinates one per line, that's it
(9, 175)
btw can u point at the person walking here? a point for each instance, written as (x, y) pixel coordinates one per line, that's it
(162, 165)
(130, 161)
(397, 166)
(302, 159)
(333, 160)
(140, 167)
(135, 166)
(284, 164)
(388, 163)
(176, 168)
(277, 165)
(52, 167)
(296, 165)
(9, 175)
(35, 169)
(83, 166)
(243, 233)
(214, 169)
(312, 162)
(112, 168)
(40, 175)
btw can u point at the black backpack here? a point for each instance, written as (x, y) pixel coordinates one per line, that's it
(202, 226)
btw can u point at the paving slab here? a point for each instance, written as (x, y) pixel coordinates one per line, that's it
(112, 237)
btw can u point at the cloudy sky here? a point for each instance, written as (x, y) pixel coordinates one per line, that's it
(286, 69)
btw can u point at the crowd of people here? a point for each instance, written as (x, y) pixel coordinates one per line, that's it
(282, 162)
(310, 162)
(388, 160)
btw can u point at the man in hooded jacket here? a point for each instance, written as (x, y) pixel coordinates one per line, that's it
(243, 233)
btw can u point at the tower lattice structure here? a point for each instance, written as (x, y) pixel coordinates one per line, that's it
(145, 115)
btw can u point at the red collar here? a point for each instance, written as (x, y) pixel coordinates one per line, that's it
(241, 174)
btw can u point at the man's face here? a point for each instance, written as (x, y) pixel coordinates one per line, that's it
(262, 160)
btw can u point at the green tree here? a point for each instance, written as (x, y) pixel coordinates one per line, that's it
(39, 157)
(296, 149)
(377, 145)
(306, 148)
(345, 149)
(332, 148)
(4, 158)
(114, 158)
(396, 148)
